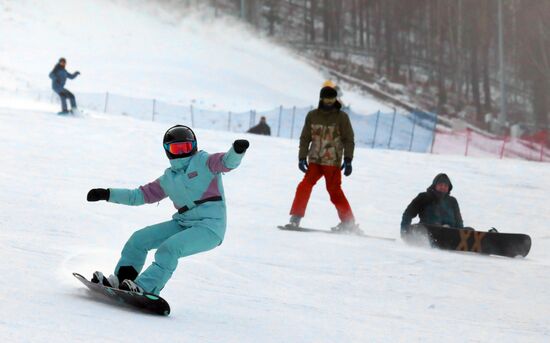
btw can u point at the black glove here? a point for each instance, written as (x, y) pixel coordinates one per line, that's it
(77, 73)
(240, 145)
(347, 166)
(97, 194)
(302, 164)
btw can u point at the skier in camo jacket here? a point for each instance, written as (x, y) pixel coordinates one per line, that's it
(327, 138)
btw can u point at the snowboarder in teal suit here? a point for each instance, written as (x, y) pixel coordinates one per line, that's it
(194, 184)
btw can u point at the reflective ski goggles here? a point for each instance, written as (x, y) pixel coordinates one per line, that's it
(179, 148)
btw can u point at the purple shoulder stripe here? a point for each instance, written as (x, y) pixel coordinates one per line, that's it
(152, 192)
(215, 163)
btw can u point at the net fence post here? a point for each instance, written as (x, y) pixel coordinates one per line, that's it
(391, 129)
(293, 122)
(503, 147)
(280, 119)
(375, 129)
(412, 132)
(106, 102)
(467, 141)
(434, 132)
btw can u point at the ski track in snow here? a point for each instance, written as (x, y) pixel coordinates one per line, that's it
(261, 284)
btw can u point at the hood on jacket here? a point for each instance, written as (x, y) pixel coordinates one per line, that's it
(441, 178)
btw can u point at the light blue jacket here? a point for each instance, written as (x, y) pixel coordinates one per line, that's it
(194, 184)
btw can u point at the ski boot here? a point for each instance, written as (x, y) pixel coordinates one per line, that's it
(347, 227)
(294, 222)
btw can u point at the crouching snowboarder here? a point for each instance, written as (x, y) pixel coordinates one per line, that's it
(436, 206)
(194, 184)
(59, 77)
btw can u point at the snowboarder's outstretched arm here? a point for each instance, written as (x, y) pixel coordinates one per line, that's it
(224, 162)
(146, 194)
(73, 75)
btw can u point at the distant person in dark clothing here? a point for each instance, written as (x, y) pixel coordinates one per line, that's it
(261, 129)
(59, 76)
(435, 206)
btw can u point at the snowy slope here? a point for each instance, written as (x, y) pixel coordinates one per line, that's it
(135, 48)
(262, 284)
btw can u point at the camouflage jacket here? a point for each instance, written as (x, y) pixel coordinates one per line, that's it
(327, 137)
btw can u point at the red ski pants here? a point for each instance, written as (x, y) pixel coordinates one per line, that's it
(333, 179)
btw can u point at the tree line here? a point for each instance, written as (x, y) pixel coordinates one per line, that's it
(450, 45)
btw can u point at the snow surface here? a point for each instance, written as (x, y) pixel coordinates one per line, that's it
(261, 284)
(135, 48)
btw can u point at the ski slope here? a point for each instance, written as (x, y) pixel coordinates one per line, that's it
(261, 284)
(142, 49)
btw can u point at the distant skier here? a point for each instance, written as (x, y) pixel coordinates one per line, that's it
(194, 184)
(59, 76)
(261, 129)
(435, 206)
(326, 137)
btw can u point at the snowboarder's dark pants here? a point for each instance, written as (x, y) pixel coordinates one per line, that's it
(64, 94)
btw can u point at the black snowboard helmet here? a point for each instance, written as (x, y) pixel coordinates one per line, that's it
(179, 134)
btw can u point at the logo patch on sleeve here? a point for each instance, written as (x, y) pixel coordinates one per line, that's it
(192, 174)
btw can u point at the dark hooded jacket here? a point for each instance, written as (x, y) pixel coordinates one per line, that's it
(327, 136)
(434, 207)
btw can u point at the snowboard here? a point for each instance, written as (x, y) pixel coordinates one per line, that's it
(360, 234)
(144, 301)
(488, 243)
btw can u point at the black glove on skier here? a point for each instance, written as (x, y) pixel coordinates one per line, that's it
(77, 73)
(347, 166)
(240, 145)
(97, 194)
(302, 164)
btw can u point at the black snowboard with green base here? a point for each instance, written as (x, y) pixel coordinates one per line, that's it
(468, 239)
(147, 302)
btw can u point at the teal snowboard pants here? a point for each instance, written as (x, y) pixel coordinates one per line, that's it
(172, 242)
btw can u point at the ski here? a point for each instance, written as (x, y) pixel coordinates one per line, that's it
(359, 234)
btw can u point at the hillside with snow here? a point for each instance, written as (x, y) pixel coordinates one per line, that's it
(140, 49)
(261, 284)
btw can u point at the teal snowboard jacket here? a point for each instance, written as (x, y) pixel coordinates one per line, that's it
(194, 184)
